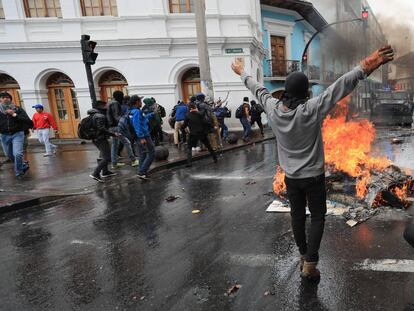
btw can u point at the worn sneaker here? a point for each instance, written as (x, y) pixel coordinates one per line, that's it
(47, 155)
(135, 163)
(108, 174)
(141, 176)
(118, 165)
(55, 148)
(97, 178)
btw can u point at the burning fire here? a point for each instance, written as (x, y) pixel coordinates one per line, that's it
(347, 149)
(279, 186)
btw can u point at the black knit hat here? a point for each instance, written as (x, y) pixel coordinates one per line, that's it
(245, 100)
(118, 96)
(297, 85)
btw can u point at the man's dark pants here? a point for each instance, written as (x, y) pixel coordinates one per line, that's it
(146, 154)
(105, 155)
(192, 142)
(312, 192)
(409, 234)
(259, 123)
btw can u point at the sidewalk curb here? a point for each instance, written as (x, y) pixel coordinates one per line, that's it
(37, 200)
(205, 155)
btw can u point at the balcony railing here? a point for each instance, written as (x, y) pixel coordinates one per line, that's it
(314, 72)
(281, 68)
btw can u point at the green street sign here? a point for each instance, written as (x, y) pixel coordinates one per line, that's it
(234, 51)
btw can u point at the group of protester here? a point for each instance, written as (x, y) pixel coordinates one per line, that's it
(15, 126)
(136, 124)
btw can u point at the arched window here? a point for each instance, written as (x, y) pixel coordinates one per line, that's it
(110, 82)
(42, 8)
(99, 7)
(190, 83)
(181, 6)
(1, 10)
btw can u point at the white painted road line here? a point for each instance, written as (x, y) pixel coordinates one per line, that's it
(386, 265)
(254, 260)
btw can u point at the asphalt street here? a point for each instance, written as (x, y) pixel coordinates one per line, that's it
(125, 247)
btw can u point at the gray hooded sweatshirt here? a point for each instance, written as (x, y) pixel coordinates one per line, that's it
(299, 131)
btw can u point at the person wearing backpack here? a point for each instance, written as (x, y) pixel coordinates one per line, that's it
(114, 114)
(179, 113)
(146, 149)
(95, 128)
(197, 126)
(14, 121)
(222, 113)
(243, 114)
(155, 122)
(256, 115)
(210, 120)
(128, 136)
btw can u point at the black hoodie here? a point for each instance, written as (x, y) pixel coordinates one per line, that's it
(101, 123)
(10, 125)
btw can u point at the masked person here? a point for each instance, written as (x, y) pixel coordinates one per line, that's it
(197, 126)
(256, 115)
(14, 121)
(114, 114)
(296, 121)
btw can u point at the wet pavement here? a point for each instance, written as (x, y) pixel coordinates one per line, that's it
(124, 247)
(67, 173)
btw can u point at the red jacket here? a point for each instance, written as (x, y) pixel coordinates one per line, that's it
(43, 120)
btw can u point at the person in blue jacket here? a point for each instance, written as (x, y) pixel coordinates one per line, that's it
(140, 121)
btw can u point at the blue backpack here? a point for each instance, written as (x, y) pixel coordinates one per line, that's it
(126, 128)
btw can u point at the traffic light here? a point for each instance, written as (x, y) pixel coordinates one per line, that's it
(305, 57)
(365, 15)
(88, 54)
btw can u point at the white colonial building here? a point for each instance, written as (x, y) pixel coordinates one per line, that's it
(146, 47)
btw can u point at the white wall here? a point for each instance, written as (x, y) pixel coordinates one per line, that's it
(148, 45)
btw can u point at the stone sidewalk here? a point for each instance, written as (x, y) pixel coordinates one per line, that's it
(67, 173)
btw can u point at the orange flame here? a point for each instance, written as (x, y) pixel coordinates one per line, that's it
(279, 186)
(347, 149)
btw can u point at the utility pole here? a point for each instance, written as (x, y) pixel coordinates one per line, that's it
(202, 44)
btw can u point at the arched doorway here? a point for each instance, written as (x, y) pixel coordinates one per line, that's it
(278, 94)
(10, 85)
(110, 82)
(64, 104)
(190, 83)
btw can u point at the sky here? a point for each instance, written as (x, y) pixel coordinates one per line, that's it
(395, 9)
(397, 23)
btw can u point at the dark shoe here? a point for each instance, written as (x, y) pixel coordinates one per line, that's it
(108, 174)
(141, 176)
(301, 262)
(188, 165)
(97, 178)
(215, 160)
(309, 272)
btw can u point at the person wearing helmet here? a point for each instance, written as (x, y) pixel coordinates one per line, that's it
(296, 121)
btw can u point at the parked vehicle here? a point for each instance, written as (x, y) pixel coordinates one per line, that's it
(392, 108)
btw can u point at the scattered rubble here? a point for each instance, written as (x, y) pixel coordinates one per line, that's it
(172, 198)
(233, 290)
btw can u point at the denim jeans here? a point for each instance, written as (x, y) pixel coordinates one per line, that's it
(43, 136)
(224, 129)
(310, 191)
(247, 128)
(146, 154)
(115, 145)
(104, 154)
(13, 148)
